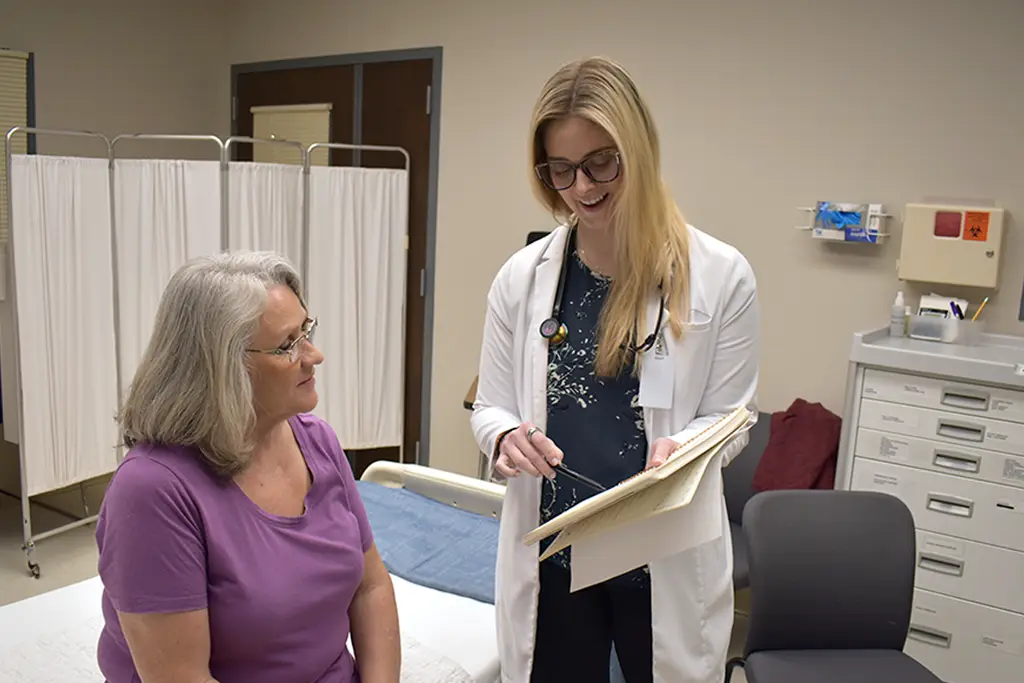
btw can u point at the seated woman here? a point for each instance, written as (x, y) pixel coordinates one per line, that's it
(233, 545)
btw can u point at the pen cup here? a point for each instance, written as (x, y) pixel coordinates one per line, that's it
(945, 330)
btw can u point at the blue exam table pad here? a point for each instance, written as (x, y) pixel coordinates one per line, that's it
(432, 544)
(437, 546)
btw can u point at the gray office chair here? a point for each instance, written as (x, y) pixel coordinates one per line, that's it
(738, 482)
(832, 579)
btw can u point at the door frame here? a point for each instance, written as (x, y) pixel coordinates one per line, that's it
(434, 54)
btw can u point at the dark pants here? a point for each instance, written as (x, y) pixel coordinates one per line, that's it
(575, 631)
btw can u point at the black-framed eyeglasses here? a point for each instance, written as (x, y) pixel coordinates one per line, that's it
(601, 167)
(292, 349)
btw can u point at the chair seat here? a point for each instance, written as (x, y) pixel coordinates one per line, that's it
(835, 666)
(740, 558)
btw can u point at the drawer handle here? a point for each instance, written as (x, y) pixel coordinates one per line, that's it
(940, 564)
(950, 505)
(961, 431)
(959, 462)
(965, 398)
(930, 636)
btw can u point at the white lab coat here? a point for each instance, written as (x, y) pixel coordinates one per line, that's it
(716, 370)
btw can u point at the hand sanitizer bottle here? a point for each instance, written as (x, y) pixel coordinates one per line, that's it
(898, 317)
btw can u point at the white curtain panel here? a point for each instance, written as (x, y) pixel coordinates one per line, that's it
(65, 327)
(265, 209)
(356, 287)
(167, 212)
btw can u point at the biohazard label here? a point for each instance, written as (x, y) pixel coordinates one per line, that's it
(976, 226)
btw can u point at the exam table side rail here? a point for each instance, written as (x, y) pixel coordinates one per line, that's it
(456, 490)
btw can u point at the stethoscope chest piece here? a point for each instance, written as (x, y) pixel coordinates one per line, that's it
(554, 331)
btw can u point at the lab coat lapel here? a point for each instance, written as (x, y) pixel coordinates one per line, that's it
(545, 282)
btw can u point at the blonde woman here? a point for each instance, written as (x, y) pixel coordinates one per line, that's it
(605, 344)
(233, 545)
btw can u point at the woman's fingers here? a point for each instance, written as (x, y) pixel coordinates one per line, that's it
(524, 453)
(534, 466)
(503, 465)
(547, 449)
(529, 450)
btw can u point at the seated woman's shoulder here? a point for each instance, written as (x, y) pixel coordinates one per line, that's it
(153, 468)
(156, 476)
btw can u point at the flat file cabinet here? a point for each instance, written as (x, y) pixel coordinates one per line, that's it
(941, 426)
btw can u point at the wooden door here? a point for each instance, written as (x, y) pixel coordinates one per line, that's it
(318, 85)
(394, 111)
(395, 96)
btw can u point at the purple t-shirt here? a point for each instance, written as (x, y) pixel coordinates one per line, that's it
(173, 537)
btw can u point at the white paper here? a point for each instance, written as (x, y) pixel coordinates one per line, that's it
(724, 430)
(663, 497)
(605, 555)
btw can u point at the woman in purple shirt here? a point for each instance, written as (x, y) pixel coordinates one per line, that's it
(234, 547)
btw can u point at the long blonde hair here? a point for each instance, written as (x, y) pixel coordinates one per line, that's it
(652, 244)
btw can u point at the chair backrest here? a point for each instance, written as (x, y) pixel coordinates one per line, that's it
(829, 570)
(738, 475)
(532, 237)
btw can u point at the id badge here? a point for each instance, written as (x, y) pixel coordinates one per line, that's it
(657, 377)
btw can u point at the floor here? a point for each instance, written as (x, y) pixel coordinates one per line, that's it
(71, 557)
(64, 559)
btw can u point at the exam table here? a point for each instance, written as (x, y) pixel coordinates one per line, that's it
(437, 533)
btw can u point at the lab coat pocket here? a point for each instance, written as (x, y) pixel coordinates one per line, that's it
(698, 321)
(670, 366)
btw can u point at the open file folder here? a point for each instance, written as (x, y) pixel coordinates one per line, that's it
(622, 528)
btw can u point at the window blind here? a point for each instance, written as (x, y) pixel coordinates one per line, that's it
(13, 112)
(304, 123)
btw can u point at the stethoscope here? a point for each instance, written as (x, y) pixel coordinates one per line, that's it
(555, 331)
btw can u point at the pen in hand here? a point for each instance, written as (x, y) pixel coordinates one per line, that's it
(572, 474)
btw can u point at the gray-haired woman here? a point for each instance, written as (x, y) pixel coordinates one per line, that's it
(233, 542)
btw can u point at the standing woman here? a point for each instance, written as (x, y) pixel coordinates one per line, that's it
(606, 344)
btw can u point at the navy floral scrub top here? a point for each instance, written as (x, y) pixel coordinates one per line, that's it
(596, 421)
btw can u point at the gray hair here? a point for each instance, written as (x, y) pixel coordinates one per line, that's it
(192, 386)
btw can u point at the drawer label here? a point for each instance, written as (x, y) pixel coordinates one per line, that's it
(1001, 405)
(1013, 470)
(895, 449)
(884, 481)
(1010, 647)
(889, 418)
(944, 546)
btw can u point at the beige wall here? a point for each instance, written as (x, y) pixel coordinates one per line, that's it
(124, 66)
(762, 107)
(119, 66)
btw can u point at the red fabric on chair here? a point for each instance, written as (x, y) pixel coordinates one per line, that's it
(802, 449)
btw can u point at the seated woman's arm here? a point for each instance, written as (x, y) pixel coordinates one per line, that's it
(374, 618)
(152, 561)
(169, 648)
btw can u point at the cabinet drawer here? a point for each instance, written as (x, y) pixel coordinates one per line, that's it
(958, 397)
(963, 642)
(973, 510)
(964, 461)
(995, 435)
(970, 571)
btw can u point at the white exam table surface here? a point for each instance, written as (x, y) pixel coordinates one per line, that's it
(51, 638)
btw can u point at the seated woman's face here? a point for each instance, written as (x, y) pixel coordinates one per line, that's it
(282, 387)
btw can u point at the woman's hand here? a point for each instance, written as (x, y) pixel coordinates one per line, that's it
(660, 451)
(527, 449)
